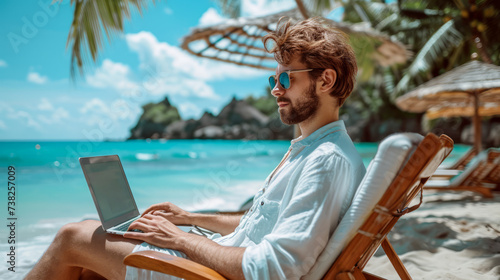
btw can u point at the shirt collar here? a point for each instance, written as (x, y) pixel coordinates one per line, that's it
(300, 142)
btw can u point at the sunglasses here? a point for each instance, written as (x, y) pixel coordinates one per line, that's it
(284, 78)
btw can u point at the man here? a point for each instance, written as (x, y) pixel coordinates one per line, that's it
(295, 212)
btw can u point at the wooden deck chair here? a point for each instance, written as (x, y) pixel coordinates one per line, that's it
(447, 172)
(462, 161)
(494, 176)
(481, 172)
(394, 177)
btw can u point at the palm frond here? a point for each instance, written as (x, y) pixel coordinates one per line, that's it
(90, 17)
(389, 80)
(444, 39)
(321, 7)
(230, 8)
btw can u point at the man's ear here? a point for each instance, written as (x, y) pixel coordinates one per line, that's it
(327, 79)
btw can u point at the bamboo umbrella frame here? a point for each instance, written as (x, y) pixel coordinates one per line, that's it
(238, 41)
(472, 89)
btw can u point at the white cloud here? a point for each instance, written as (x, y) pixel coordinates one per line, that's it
(2, 125)
(36, 78)
(256, 8)
(95, 104)
(57, 116)
(168, 11)
(3, 63)
(96, 110)
(189, 110)
(60, 114)
(52, 115)
(172, 61)
(24, 116)
(45, 105)
(113, 75)
(211, 17)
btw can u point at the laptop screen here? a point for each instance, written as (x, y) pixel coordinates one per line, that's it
(110, 188)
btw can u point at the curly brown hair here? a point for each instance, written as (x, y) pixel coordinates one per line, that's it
(319, 46)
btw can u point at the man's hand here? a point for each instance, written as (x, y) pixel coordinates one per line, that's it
(170, 212)
(157, 230)
(223, 224)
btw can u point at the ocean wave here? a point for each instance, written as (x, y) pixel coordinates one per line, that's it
(189, 154)
(146, 156)
(230, 199)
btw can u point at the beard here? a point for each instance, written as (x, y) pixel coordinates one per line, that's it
(305, 108)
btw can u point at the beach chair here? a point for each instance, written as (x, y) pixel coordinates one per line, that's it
(395, 176)
(481, 175)
(447, 172)
(462, 161)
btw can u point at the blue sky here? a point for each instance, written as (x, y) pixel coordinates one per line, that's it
(38, 100)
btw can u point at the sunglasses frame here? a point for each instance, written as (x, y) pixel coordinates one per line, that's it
(288, 72)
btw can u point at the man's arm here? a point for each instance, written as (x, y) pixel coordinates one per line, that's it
(223, 259)
(223, 224)
(160, 232)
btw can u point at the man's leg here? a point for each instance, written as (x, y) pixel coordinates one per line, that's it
(80, 246)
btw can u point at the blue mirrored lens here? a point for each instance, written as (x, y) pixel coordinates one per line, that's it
(272, 82)
(285, 80)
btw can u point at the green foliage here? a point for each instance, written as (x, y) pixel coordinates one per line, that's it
(265, 104)
(160, 113)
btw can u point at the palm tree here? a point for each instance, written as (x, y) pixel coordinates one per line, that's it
(92, 17)
(443, 34)
(89, 19)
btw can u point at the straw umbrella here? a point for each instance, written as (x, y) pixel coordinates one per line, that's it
(238, 41)
(472, 89)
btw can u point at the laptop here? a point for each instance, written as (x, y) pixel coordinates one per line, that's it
(112, 195)
(111, 192)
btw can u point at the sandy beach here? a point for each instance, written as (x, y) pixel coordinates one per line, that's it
(451, 236)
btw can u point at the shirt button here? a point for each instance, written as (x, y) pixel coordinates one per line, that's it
(262, 203)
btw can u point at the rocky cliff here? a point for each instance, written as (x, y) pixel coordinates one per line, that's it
(259, 119)
(154, 119)
(237, 120)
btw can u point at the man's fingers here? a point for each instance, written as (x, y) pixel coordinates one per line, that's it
(135, 235)
(141, 224)
(166, 215)
(151, 209)
(158, 207)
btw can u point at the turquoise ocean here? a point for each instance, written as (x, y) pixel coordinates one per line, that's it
(50, 189)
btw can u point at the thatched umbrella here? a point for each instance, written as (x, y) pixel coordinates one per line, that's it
(238, 41)
(472, 89)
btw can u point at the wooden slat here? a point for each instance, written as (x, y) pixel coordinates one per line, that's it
(484, 191)
(463, 160)
(171, 265)
(395, 260)
(399, 194)
(370, 276)
(484, 172)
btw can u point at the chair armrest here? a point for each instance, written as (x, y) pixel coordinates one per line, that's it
(445, 173)
(171, 265)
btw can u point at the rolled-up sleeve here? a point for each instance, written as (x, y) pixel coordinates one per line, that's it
(320, 193)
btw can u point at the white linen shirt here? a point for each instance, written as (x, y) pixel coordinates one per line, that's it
(300, 205)
(295, 213)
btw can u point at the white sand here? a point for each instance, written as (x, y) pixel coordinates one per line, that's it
(451, 236)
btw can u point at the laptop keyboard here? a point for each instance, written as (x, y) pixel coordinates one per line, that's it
(124, 227)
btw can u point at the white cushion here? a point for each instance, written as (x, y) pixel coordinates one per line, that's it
(392, 154)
